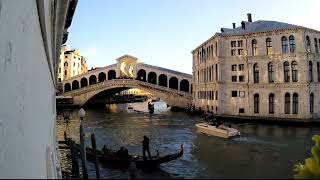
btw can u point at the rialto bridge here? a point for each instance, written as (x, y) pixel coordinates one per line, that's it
(173, 87)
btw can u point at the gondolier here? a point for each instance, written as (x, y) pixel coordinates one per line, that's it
(145, 147)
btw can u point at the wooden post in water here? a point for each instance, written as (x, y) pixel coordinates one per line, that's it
(74, 160)
(83, 152)
(94, 147)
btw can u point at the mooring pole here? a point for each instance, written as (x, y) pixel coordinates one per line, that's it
(94, 147)
(83, 152)
(82, 113)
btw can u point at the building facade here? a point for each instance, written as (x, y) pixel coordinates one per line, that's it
(71, 63)
(31, 35)
(260, 69)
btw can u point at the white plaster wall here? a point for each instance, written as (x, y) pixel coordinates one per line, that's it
(27, 94)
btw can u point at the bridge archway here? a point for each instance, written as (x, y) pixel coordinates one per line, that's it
(184, 85)
(152, 77)
(142, 75)
(163, 80)
(75, 85)
(92, 80)
(102, 77)
(112, 74)
(84, 82)
(173, 83)
(67, 87)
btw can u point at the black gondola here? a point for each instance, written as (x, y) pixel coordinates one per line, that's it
(112, 158)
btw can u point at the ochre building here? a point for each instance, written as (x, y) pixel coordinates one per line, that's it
(71, 63)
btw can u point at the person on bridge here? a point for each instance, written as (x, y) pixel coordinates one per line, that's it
(145, 147)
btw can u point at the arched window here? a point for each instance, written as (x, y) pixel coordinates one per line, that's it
(256, 73)
(269, 45)
(256, 100)
(287, 103)
(316, 45)
(184, 85)
(92, 79)
(308, 44)
(67, 87)
(294, 69)
(152, 78)
(163, 80)
(65, 72)
(284, 43)
(75, 85)
(65, 64)
(254, 47)
(173, 83)
(112, 74)
(311, 103)
(292, 44)
(84, 82)
(286, 69)
(318, 71)
(271, 103)
(142, 75)
(102, 77)
(270, 73)
(310, 71)
(295, 103)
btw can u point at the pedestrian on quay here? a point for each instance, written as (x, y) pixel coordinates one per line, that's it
(145, 147)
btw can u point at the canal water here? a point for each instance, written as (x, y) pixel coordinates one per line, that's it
(262, 151)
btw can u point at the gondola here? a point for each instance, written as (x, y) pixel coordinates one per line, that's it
(112, 158)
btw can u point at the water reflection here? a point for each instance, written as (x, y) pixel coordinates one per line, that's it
(267, 151)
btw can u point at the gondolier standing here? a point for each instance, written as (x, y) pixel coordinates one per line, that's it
(145, 147)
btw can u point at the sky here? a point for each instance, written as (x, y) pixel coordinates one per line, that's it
(164, 32)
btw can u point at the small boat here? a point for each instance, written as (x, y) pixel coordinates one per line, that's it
(130, 109)
(112, 158)
(220, 131)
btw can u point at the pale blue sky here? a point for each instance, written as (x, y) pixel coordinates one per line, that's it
(164, 32)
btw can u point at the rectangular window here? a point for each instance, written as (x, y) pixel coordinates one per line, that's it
(240, 43)
(240, 52)
(241, 110)
(74, 64)
(234, 67)
(233, 44)
(233, 52)
(234, 93)
(59, 70)
(216, 95)
(241, 78)
(241, 67)
(242, 94)
(234, 78)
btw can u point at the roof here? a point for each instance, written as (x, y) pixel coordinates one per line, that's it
(259, 26)
(168, 70)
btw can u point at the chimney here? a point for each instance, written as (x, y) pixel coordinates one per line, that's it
(222, 30)
(243, 25)
(249, 17)
(233, 25)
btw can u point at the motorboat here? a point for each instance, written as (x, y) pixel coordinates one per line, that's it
(130, 109)
(220, 131)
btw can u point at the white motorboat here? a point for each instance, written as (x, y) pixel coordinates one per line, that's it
(220, 131)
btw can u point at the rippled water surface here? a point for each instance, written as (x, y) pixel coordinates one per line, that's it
(263, 151)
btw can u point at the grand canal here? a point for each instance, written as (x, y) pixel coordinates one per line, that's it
(263, 151)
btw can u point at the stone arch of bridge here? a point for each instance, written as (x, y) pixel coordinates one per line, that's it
(172, 99)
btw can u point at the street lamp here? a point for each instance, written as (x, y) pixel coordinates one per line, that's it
(82, 113)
